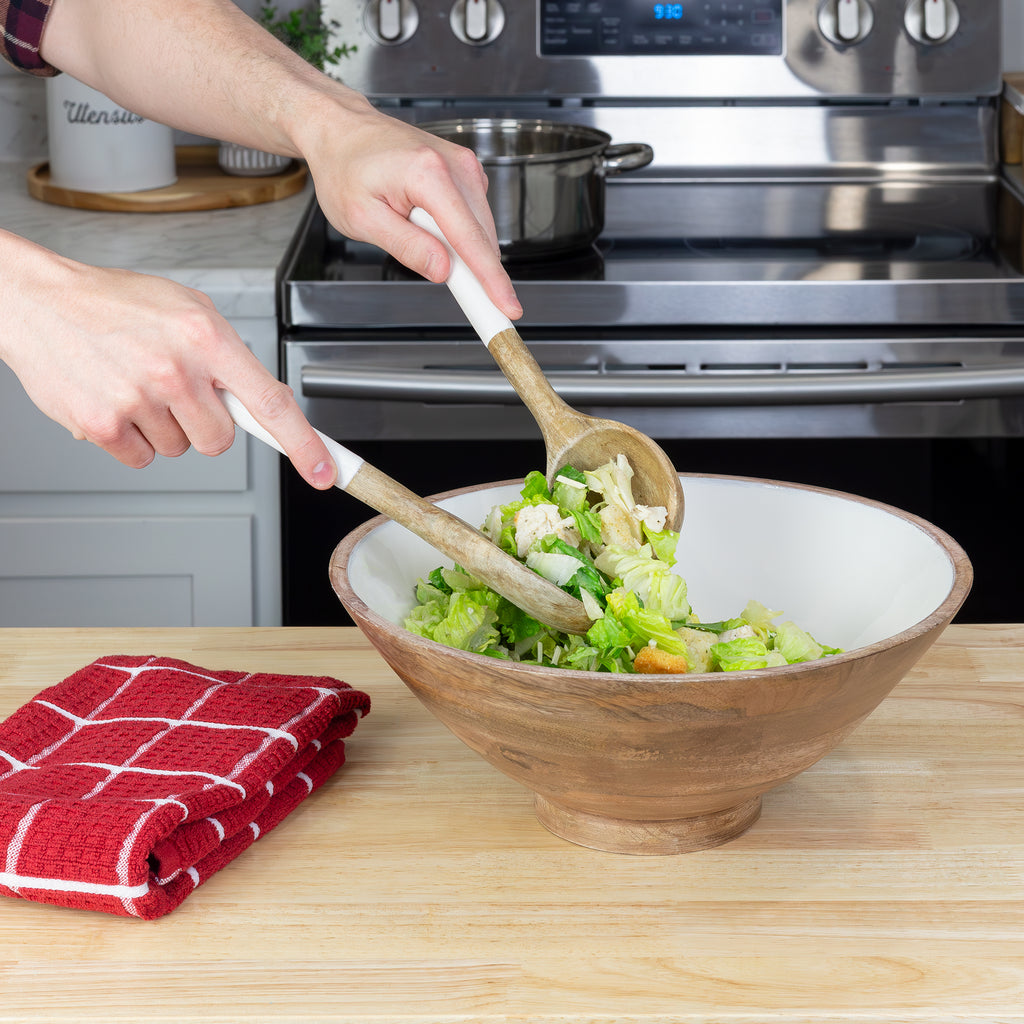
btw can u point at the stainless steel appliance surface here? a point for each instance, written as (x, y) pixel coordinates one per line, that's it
(818, 277)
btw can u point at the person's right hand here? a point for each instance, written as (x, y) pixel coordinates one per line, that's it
(132, 363)
(371, 170)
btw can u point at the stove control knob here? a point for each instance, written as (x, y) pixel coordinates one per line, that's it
(931, 22)
(845, 22)
(477, 22)
(391, 21)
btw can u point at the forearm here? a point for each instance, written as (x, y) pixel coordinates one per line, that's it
(226, 78)
(206, 67)
(31, 273)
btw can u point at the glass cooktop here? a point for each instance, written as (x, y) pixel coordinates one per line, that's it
(715, 252)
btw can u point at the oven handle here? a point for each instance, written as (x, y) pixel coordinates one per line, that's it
(662, 389)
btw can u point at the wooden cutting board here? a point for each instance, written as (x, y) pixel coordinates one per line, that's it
(885, 884)
(201, 185)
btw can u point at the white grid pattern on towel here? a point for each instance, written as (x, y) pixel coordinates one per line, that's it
(127, 893)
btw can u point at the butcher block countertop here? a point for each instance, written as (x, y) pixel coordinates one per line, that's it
(884, 884)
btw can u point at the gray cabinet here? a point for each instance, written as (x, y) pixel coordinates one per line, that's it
(86, 541)
(138, 571)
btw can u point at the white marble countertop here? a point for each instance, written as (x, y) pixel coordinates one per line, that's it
(232, 255)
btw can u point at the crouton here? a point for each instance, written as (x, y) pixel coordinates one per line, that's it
(652, 661)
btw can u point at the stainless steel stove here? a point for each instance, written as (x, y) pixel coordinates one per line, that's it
(819, 275)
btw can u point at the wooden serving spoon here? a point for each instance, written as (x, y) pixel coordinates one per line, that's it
(452, 536)
(570, 437)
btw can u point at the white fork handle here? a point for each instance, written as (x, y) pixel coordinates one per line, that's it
(348, 463)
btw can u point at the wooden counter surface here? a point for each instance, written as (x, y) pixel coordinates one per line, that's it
(885, 884)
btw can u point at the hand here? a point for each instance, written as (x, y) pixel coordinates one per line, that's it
(370, 170)
(131, 362)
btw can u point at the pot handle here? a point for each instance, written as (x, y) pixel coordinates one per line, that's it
(627, 156)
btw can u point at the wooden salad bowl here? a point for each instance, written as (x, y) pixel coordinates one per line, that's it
(661, 764)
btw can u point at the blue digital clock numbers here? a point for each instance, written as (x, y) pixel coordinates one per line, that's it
(644, 28)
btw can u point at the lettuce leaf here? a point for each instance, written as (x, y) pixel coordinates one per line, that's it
(588, 523)
(586, 575)
(744, 652)
(796, 644)
(569, 491)
(535, 486)
(641, 624)
(614, 482)
(555, 566)
(663, 543)
(660, 589)
(469, 624)
(759, 618)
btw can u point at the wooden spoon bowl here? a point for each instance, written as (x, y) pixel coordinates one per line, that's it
(586, 442)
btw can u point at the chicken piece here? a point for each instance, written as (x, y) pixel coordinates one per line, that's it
(618, 527)
(534, 522)
(734, 634)
(652, 661)
(698, 646)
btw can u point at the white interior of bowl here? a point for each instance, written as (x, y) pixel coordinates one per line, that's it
(848, 572)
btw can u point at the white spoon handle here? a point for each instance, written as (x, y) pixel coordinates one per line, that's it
(486, 318)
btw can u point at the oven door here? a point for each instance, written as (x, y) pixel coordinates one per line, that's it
(673, 386)
(932, 425)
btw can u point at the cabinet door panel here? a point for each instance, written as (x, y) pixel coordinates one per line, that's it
(173, 571)
(96, 601)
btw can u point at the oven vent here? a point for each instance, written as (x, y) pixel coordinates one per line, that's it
(801, 367)
(733, 368)
(804, 366)
(924, 364)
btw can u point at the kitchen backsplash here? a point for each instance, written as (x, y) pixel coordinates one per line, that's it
(23, 100)
(22, 116)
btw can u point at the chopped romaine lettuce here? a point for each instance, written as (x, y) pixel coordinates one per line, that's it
(650, 578)
(469, 623)
(554, 566)
(742, 653)
(587, 535)
(643, 625)
(794, 644)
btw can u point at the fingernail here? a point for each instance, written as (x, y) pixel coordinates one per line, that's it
(323, 475)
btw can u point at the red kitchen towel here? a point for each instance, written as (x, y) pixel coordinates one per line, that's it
(135, 779)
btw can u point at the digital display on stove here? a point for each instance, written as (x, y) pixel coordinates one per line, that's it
(595, 28)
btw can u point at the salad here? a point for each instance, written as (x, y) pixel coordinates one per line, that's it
(588, 536)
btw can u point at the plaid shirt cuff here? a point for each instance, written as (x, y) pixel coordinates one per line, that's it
(22, 22)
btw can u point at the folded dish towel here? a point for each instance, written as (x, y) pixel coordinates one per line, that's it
(135, 779)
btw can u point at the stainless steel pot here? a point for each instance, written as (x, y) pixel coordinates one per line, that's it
(547, 180)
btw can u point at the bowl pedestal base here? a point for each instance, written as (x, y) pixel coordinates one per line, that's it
(620, 835)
